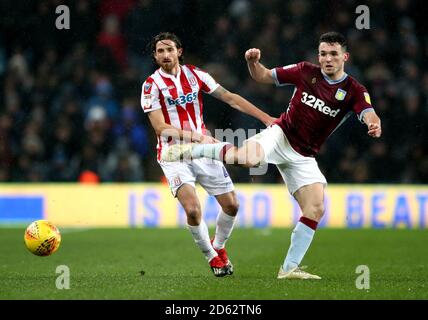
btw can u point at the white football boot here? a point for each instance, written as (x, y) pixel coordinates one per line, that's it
(296, 273)
(177, 152)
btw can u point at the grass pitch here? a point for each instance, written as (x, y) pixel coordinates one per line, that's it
(108, 264)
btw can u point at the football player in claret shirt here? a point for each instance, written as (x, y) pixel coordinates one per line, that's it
(172, 99)
(324, 97)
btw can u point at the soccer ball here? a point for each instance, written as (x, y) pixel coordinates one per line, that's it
(42, 238)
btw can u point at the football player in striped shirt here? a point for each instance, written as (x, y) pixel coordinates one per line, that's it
(172, 97)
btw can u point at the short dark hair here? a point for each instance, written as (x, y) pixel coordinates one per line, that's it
(334, 37)
(165, 36)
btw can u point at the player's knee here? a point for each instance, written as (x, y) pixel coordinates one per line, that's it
(318, 210)
(231, 208)
(250, 161)
(193, 213)
(314, 211)
(248, 157)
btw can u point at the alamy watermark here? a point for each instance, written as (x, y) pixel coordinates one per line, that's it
(363, 20)
(363, 280)
(63, 280)
(63, 20)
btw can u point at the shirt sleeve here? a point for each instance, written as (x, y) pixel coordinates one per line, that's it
(362, 102)
(287, 75)
(208, 83)
(150, 97)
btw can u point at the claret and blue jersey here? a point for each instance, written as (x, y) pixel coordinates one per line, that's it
(319, 105)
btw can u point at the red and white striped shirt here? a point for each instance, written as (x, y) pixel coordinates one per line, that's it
(179, 97)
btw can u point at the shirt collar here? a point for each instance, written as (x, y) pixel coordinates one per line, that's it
(330, 81)
(167, 75)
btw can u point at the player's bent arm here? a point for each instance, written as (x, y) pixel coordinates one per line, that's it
(260, 73)
(162, 128)
(372, 121)
(241, 104)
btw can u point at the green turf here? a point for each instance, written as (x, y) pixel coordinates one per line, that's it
(106, 264)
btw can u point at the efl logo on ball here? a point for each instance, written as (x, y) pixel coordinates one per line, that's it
(42, 238)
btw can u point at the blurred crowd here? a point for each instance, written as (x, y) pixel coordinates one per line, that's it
(70, 99)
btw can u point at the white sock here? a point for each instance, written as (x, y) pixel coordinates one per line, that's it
(223, 229)
(211, 151)
(301, 239)
(202, 239)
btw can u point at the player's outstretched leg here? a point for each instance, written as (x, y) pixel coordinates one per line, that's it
(251, 154)
(189, 151)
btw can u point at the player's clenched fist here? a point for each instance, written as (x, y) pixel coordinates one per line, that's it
(252, 55)
(375, 130)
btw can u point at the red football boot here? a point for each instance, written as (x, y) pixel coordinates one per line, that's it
(223, 256)
(218, 267)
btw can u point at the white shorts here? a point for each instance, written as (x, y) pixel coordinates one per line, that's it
(296, 169)
(210, 174)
